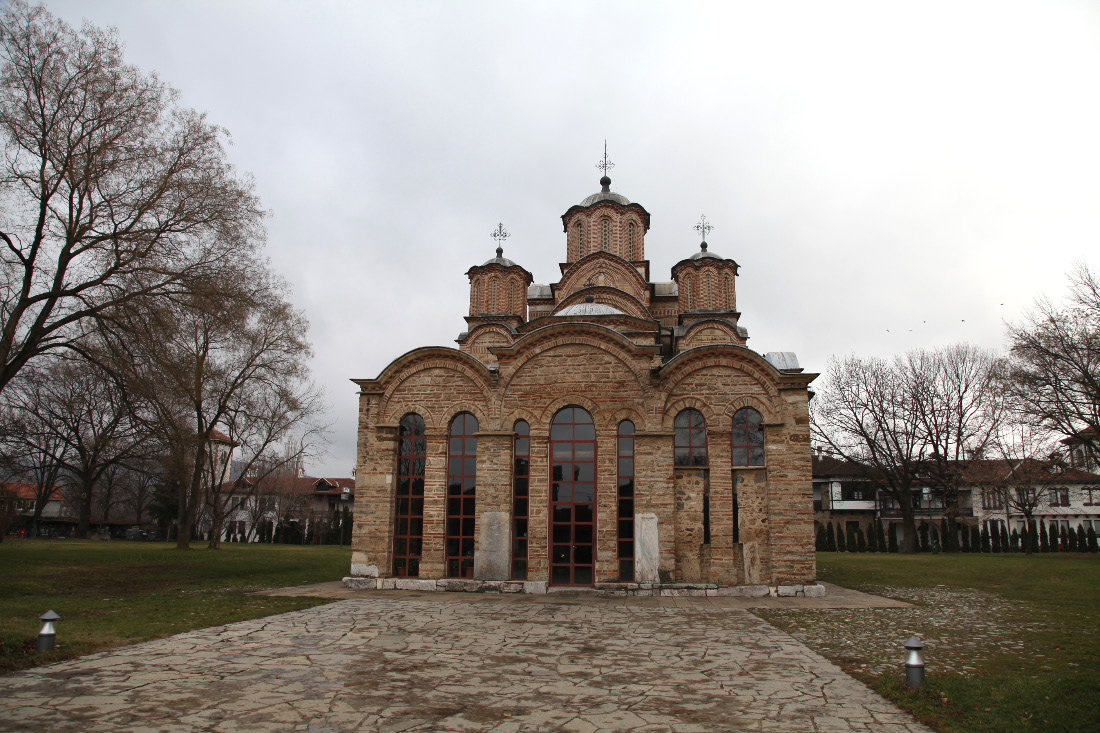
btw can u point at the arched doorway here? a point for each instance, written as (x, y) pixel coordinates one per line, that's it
(572, 498)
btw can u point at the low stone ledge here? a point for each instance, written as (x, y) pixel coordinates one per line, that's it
(647, 590)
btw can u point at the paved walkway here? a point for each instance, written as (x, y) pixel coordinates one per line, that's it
(454, 662)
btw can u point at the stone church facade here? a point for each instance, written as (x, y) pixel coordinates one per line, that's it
(602, 431)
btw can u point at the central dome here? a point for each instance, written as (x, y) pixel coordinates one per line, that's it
(589, 309)
(605, 194)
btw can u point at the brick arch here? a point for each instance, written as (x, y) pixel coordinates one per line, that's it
(767, 411)
(725, 355)
(393, 418)
(635, 416)
(448, 414)
(675, 407)
(608, 263)
(508, 419)
(572, 401)
(608, 295)
(585, 334)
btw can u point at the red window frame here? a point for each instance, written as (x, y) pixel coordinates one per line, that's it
(572, 516)
(690, 442)
(521, 475)
(461, 496)
(747, 438)
(408, 522)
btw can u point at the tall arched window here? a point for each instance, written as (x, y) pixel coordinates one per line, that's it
(729, 292)
(521, 472)
(687, 293)
(572, 497)
(626, 502)
(630, 232)
(493, 298)
(748, 438)
(605, 234)
(580, 240)
(691, 439)
(512, 305)
(408, 522)
(461, 496)
(710, 290)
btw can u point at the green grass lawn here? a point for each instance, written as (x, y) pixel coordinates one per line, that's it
(114, 593)
(1016, 639)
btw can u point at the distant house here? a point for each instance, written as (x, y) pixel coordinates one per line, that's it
(844, 493)
(256, 507)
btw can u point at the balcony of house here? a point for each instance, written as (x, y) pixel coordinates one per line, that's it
(853, 505)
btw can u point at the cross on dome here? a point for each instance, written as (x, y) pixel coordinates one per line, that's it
(605, 165)
(703, 228)
(500, 235)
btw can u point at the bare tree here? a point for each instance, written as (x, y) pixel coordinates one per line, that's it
(231, 357)
(958, 400)
(110, 192)
(864, 412)
(36, 450)
(1056, 363)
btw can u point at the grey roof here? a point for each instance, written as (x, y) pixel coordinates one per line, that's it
(703, 253)
(665, 289)
(499, 261)
(783, 360)
(605, 196)
(539, 291)
(589, 309)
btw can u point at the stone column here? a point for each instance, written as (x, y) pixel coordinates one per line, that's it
(538, 559)
(435, 506)
(607, 506)
(653, 491)
(790, 485)
(372, 535)
(493, 550)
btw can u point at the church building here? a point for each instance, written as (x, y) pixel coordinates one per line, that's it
(604, 431)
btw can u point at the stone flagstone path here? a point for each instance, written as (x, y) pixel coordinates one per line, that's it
(460, 662)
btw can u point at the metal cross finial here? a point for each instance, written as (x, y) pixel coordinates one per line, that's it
(703, 228)
(500, 235)
(605, 165)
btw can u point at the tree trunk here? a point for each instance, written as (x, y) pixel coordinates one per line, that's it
(908, 543)
(84, 520)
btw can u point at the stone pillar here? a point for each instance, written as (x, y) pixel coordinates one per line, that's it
(372, 535)
(726, 563)
(653, 491)
(538, 522)
(435, 504)
(790, 484)
(607, 505)
(647, 554)
(493, 551)
(690, 486)
(751, 485)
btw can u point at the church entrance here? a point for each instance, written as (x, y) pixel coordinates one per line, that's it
(572, 498)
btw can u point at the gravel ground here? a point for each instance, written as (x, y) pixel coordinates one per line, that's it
(957, 626)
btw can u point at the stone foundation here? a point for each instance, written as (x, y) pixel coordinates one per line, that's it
(600, 589)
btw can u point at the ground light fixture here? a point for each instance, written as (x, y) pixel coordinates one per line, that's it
(914, 663)
(48, 633)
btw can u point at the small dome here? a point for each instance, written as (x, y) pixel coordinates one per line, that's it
(605, 194)
(703, 254)
(589, 309)
(499, 261)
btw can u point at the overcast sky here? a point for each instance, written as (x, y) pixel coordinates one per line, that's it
(887, 177)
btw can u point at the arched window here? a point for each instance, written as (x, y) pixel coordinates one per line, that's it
(580, 240)
(691, 439)
(605, 234)
(630, 231)
(461, 496)
(511, 297)
(748, 438)
(572, 497)
(521, 472)
(408, 529)
(493, 298)
(710, 290)
(729, 292)
(687, 293)
(626, 502)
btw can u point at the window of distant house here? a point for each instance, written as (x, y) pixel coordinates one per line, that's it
(1092, 495)
(521, 473)
(1059, 497)
(408, 531)
(748, 438)
(626, 502)
(691, 439)
(461, 496)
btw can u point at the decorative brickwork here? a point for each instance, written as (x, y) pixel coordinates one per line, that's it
(619, 347)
